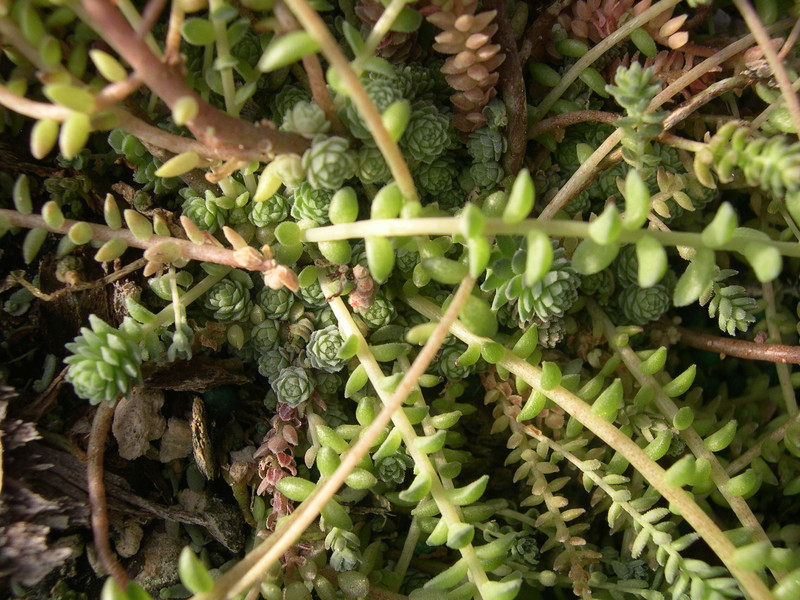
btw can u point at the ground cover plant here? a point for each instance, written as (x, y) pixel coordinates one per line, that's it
(435, 299)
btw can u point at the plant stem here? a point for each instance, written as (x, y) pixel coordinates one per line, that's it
(555, 228)
(223, 54)
(101, 233)
(597, 51)
(779, 71)
(379, 31)
(777, 353)
(654, 474)
(669, 409)
(784, 372)
(314, 25)
(225, 135)
(582, 174)
(249, 570)
(101, 425)
(754, 451)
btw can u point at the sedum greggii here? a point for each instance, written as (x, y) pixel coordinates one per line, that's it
(471, 265)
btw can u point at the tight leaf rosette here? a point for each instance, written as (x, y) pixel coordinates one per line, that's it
(293, 386)
(323, 348)
(229, 301)
(104, 362)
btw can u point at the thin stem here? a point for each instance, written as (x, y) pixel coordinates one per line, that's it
(556, 228)
(314, 25)
(224, 54)
(764, 115)
(316, 77)
(101, 425)
(101, 233)
(784, 372)
(225, 135)
(765, 43)
(747, 458)
(248, 571)
(597, 51)
(379, 31)
(571, 118)
(777, 353)
(654, 474)
(581, 176)
(669, 409)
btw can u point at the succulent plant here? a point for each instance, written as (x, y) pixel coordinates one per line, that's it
(265, 336)
(276, 303)
(292, 386)
(104, 362)
(437, 176)
(323, 348)
(229, 301)
(274, 209)
(487, 174)
(486, 145)
(642, 305)
(371, 167)
(427, 136)
(311, 204)
(392, 469)
(329, 163)
(381, 312)
(205, 212)
(305, 118)
(271, 363)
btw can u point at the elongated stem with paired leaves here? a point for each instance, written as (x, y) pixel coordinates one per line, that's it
(251, 568)
(611, 435)
(314, 25)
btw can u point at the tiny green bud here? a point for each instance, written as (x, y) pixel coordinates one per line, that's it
(296, 489)
(111, 212)
(681, 383)
(652, 261)
(74, 134)
(80, 233)
(22, 195)
(139, 225)
(71, 97)
(571, 48)
(33, 243)
(608, 403)
(539, 257)
(429, 444)
(520, 200)
(460, 535)
(108, 66)
(178, 165)
(766, 260)
(419, 334)
(343, 207)
(287, 49)
(637, 201)
(595, 81)
(451, 576)
(43, 137)
(683, 419)
(722, 438)
(445, 270)
(380, 257)
(193, 573)
(551, 376)
(396, 117)
(644, 42)
(288, 233)
(112, 249)
(695, 278)
(722, 227)
(590, 257)
(470, 493)
(387, 203)
(533, 406)
(544, 74)
(479, 254)
(655, 362)
(268, 184)
(184, 110)
(361, 479)
(743, 484)
(357, 380)
(658, 448)
(336, 516)
(606, 228)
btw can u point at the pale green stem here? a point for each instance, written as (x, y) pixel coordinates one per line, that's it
(410, 544)
(754, 451)
(224, 53)
(379, 31)
(764, 115)
(778, 70)
(314, 25)
(784, 371)
(166, 315)
(258, 561)
(553, 228)
(133, 17)
(423, 464)
(668, 408)
(581, 175)
(597, 51)
(611, 435)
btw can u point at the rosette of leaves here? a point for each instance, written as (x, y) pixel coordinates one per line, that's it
(275, 303)
(383, 91)
(271, 363)
(437, 176)
(292, 386)
(496, 114)
(323, 347)
(642, 305)
(311, 204)
(274, 209)
(525, 549)
(287, 97)
(146, 175)
(229, 301)
(551, 332)
(487, 174)
(601, 285)
(305, 118)
(324, 317)
(448, 364)
(371, 167)
(328, 385)
(626, 266)
(265, 336)
(427, 135)
(396, 46)
(381, 312)
(104, 361)
(730, 304)
(551, 296)
(392, 469)
(416, 80)
(486, 145)
(406, 260)
(345, 549)
(203, 211)
(329, 162)
(312, 295)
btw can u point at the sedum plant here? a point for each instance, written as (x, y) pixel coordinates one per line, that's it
(425, 331)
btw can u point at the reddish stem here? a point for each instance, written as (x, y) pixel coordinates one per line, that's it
(777, 353)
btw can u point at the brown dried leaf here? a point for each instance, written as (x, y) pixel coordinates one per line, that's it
(138, 421)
